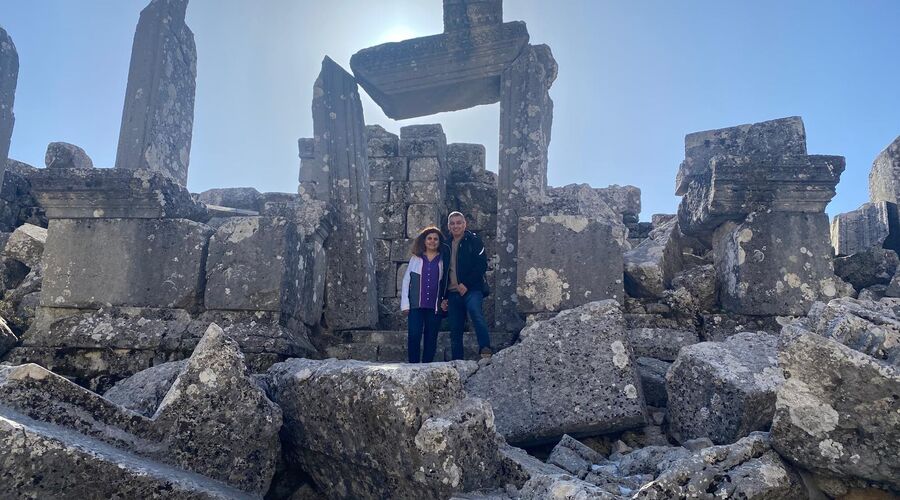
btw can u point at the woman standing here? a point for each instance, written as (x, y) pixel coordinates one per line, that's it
(423, 286)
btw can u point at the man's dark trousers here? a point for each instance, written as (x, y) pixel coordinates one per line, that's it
(458, 307)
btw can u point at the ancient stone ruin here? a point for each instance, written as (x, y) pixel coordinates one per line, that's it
(157, 343)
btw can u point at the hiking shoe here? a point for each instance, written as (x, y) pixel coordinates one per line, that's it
(486, 352)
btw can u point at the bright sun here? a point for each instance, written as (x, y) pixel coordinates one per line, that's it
(397, 34)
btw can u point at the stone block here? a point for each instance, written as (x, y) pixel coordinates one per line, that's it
(9, 76)
(235, 280)
(400, 250)
(423, 141)
(624, 200)
(573, 374)
(245, 198)
(775, 263)
(553, 280)
(431, 192)
(158, 115)
(425, 169)
(884, 178)
(425, 424)
(382, 250)
(837, 413)
(388, 169)
(784, 136)
(386, 278)
(735, 186)
(478, 202)
(465, 162)
(724, 390)
(307, 147)
(446, 72)
(875, 266)
(653, 379)
(389, 220)
(651, 266)
(380, 192)
(26, 245)
(660, 343)
(65, 155)
(873, 225)
(157, 263)
(401, 271)
(420, 216)
(381, 142)
(872, 328)
(342, 148)
(112, 193)
(144, 391)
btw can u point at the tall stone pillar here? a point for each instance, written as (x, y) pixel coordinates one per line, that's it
(337, 171)
(158, 117)
(9, 74)
(526, 116)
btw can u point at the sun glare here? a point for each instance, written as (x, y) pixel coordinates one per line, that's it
(397, 34)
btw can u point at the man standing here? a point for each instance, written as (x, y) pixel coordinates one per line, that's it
(466, 288)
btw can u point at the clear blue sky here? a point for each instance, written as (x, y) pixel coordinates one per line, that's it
(634, 78)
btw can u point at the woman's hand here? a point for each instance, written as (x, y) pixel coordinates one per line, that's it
(406, 312)
(445, 305)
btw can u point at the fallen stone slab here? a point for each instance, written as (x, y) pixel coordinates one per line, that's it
(650, 267)
(872, 328)
(424, 437)
(572, 374)
(26, 245)
(873, 266)
(65, 155)
(660, 343)
(245, 198)
(552, 281)
(723, 390)
(573, 456)
(214, 420)
(653, 379)
(837, 413)
(42, 460)
(884, 178)
(748, 468)
(143, 391)
(113, 193)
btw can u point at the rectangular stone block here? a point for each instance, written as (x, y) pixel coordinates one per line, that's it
(112, 193)
(465, 161)
(401, 270)
(784, 136)
(388, 169)
(91, 263)
(307, 147)
(884, 178)
(380, 191)
(388, 220)
(869, 226)
(566, 261)
(417, 192)
(382, 250)
(400, 250)
(235, 280)
(424, 169)
(386, 279)
(418, 141)
(446, 72)
(381, 142)
(739, 185)
(420, 216)
(775, 263)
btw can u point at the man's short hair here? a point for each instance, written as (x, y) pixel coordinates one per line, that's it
(455, 214)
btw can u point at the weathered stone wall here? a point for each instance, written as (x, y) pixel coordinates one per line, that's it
(416, 179)
(9, 75)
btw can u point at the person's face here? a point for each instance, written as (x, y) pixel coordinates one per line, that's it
(432, 241)
(457, 226)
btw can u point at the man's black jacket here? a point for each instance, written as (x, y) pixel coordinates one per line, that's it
(471, 262)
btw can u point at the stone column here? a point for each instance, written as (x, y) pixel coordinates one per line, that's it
(340, 150)
(526, 115)
(9, 74)
(158, 117)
